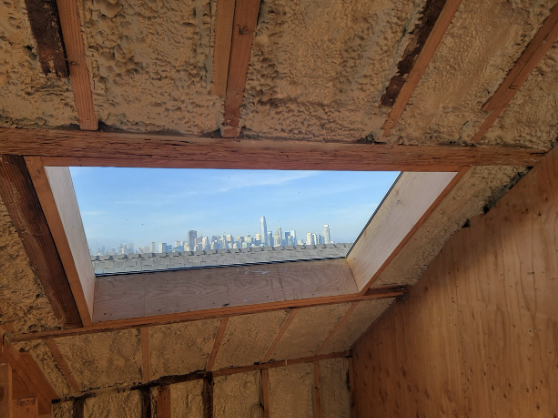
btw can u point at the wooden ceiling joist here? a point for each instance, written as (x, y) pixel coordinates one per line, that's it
(80, 148)
(217, 343)
(222, 51)
(244, 25)
(421, 63)
(280, 334)
(20, 197)
(62, 364)
(530, 58)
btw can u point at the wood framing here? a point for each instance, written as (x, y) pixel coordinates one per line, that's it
(280, 334)
(265, 392)
(421, 63)
(79, 73)
(207, 396)
(25, 408)
(336, 327)
(56, 194)
(18, 193)
(79, 408)
(245, 19)
(146, 409)
(535, 51)
(145, 354)
(317, 401)
(412, 200)
(164, 402)
(217, 343)
(81, 148)
(63, 365)
(222, 51)
(6, 391)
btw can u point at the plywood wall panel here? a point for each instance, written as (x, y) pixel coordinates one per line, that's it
(478, 335)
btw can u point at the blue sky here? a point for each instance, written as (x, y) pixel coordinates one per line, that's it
(140, 205)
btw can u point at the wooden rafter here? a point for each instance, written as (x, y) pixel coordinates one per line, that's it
(222, 51)
(280, 334)
(63, 365)
(217, 344)
(244, 25)
(80, 148)
(337, 326)
(20, 197)
(421, 63)
(531, 56)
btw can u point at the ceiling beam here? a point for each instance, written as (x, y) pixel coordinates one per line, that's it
(222, 50)
(81, 148)
(217, 343)
(63, 365)
(280, 334)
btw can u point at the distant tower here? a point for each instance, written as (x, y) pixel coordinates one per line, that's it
(280, 233)
(327, 237)
(309, 238)
(270, 238)
(192, 235)
(153, 247)
(264, 231)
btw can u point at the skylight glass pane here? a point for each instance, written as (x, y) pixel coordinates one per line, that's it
(145, 219)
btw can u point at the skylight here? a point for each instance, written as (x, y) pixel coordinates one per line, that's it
(146, 219)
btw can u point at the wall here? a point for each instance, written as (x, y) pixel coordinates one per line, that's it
(478, 336)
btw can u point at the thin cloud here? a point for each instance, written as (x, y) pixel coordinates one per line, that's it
(94, 213)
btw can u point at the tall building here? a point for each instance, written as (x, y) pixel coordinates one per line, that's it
(162, 247)
(327, 237)
(314, 239)
(192, 235)
(309, 238)
(269, 239)
(280, 233)
(288, 238)
(263, 230)
(153, 247)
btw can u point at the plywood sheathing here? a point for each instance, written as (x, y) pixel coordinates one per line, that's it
(181, 348)
(291, 391)
(23, 303)
(47, 363)
(28, 97)
(335, 394)
(248, 337)
(104, 359)
(152, 64)
(530, 118)
(112, 405)
(238, 395)
(319, 68)
(479, 187)
(473, 58)
(357, 322)
(309, 328)
(187, 400)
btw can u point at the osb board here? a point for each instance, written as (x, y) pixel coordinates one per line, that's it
(238, 395)
(248, 337)
(335, 394)
(319, 67)
(103, 359)
(187, 399)
(291, 391)
(483, 42)
(357, 322)
(478, 335)
(308, 330)
(152, 64)
(181, 348)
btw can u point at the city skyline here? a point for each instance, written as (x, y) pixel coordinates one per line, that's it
(122, 205)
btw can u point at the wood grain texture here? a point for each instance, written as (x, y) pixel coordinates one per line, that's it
(20, 197)
(217, 343)
(265, 392)
(280, 334)
(55, 190)
(145, 354)
(6, 391)
(25, 408)
(222, 50)
(409, 202)
(421, 63)
(63, 365)
(478, 335)
(530, 58)
(79, 73)
(244, 25)
(164, 402)
(81, 148)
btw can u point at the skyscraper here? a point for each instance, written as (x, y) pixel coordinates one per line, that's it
(309, 238)
(269, 239)
(327, 237)
(192, 235)
(280, 233)
(264, 230)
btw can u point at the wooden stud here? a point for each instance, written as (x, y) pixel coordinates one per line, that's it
(6, 391)
(280, 334)
(63, 365)
(146, 408)
(79, 73)
(20, 197)
(164, 402)
(55, 190)
(245, 19)
(337, 326)
(265, 392)
(80, 148)
(26, 408)
(208, 396)
(222, 50)
(79, 408)
(421, 63)
(317, 401)
(217, 343)
(145, 354)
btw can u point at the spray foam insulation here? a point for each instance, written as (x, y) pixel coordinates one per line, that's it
(103, 359)
(308, 330)
(480, 187)
(356, 324)
(238, 395)
(248, 337)
(319, 67)
(28, 98)
(187, 399)
(335, 394)
(114, 405)
(291, 391)
(63, 410)
(23, 302)
(473, 58)
(152, 64)
(182, 348)
(530, 118)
